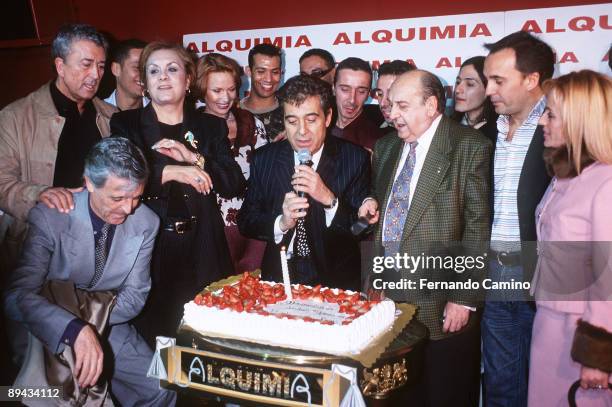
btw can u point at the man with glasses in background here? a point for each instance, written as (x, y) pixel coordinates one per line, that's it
(319, 63)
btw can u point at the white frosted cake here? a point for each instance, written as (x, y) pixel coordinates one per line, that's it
(317, 319)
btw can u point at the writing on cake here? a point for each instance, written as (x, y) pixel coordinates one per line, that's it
(322, 311)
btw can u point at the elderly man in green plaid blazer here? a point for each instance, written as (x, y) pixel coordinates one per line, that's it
(444, 168)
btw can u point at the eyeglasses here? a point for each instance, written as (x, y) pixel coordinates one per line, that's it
(317, 73)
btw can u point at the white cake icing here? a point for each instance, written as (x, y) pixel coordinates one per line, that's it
(330, 337)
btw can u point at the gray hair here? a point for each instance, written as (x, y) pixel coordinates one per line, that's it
(116, 156)
(60, 48)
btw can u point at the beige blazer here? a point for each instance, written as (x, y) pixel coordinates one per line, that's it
(29, 132)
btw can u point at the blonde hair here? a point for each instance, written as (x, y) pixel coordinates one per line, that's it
(585, 98)
(214, 62)
(184, 56)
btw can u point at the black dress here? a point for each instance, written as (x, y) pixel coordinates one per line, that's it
(182, 263)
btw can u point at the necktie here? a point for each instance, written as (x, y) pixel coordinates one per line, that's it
(399, 202)
(100, 254)
(301, 239)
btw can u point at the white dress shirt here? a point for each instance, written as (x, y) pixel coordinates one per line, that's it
(421, 153)
(112, 99)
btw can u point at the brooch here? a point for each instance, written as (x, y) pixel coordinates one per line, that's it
(190, 138)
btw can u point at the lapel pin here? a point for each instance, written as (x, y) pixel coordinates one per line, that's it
(190, 138)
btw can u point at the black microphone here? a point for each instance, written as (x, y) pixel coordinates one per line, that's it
(304, 158)
(361, 225)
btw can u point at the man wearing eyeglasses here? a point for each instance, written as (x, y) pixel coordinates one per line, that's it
(387, 73)
(352, 84)
(319, 63)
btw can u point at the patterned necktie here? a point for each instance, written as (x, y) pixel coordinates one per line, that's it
(100, 254)
(301, 239)
(399, 202)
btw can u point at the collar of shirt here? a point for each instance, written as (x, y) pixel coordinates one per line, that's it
(424, 142)
(242, 105)
(464, 121)
(96, 221)
(421, 153)
(315, 158)
(64, 105)
(521, 137)
(112, 100)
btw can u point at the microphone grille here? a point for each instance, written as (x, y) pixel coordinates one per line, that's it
(304, 155)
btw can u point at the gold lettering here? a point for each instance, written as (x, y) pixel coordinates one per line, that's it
(256, 382)
(286, 387)
(228, 377)
(272, 384)
(210, 378)
(244, 383)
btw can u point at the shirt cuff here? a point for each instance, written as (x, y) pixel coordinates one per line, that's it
(368, 198)
(278, 233)
(330, 213)
(72, 331)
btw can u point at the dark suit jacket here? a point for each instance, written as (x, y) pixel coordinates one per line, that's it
(373, 114)
(450, 204)
(142, 128)
(533, 182)
(61, 247)
(212, 258)
(345, 169)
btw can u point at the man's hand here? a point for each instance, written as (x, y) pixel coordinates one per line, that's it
(199, 179)
(369, 210)
(89, 357)
(455, 317)
(294, 207)
(307, 180)
(175, 150)
(593, 378)
(59, 198)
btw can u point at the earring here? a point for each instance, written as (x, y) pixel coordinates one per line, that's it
(145, 93)
(189, 91)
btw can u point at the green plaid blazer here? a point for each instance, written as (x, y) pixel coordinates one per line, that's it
(450, 204)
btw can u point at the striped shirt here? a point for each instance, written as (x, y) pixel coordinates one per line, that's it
(508, 164)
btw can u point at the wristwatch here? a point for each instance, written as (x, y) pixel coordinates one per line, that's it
(333, 203)
(199, 161)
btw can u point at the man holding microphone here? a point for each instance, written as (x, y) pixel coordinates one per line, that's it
(304, 192)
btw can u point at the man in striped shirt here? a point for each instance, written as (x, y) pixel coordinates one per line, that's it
(515, 68)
